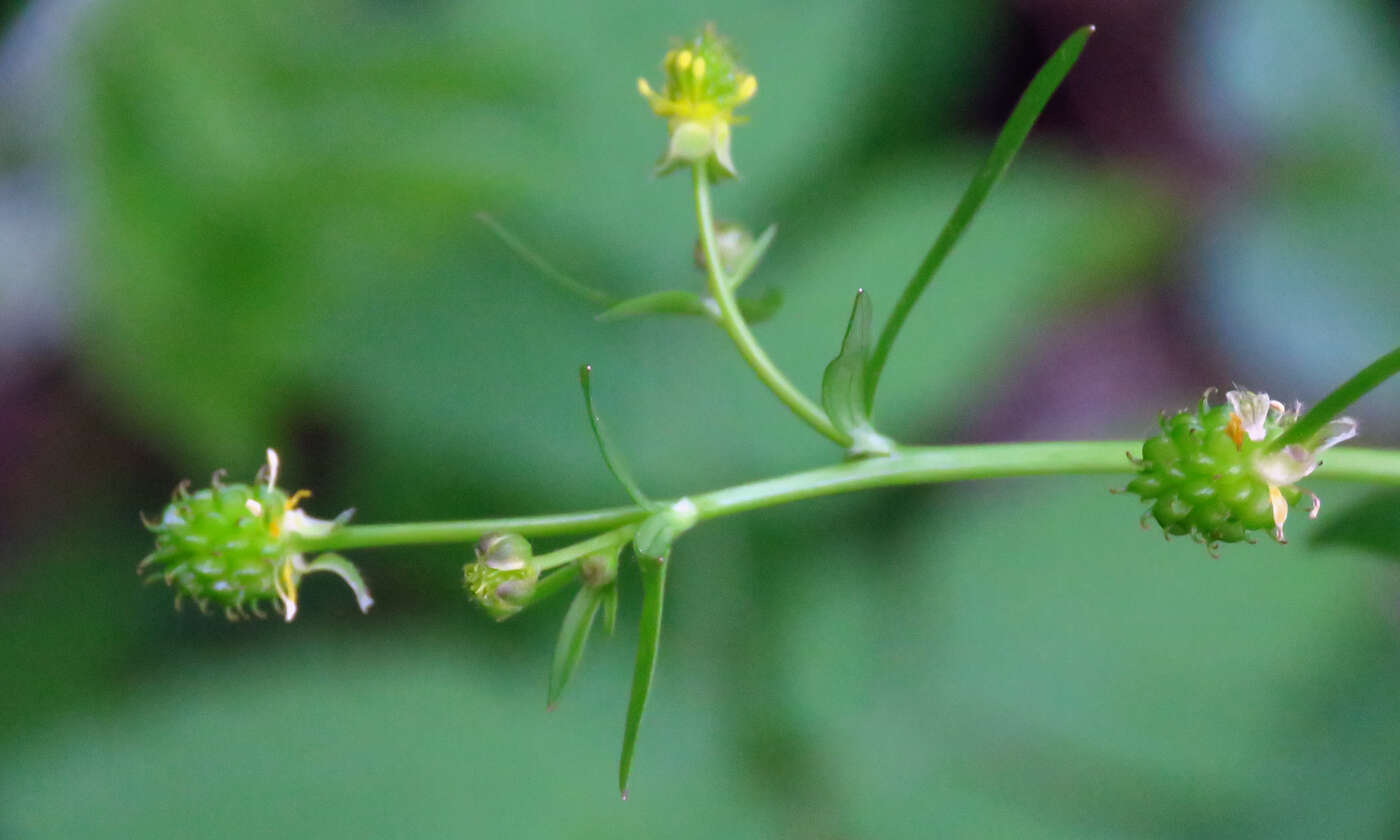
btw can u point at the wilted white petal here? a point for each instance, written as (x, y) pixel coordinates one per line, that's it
(1287, 466)
(1252, 409)
(1336, 431)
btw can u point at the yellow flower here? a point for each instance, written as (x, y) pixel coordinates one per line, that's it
(703, 87)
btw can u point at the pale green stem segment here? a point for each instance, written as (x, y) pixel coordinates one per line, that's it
(603, 542)
(1345, 394)
(732, 320)
(911, 465)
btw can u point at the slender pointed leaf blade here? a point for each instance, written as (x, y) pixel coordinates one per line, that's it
(670, 302)
(543, 266)
(843, 381)
(753, 256)
(1008, 143)
(610, 455)
(573, 637)
(648, 642)
(759, 309)
(611, 595)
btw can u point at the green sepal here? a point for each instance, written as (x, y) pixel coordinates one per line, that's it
(338, 565)
(843, 385)
(648, 643)
(677, 302)
(573, 636)
(610, 455)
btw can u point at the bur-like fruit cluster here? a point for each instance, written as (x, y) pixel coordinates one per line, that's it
(234, 547)
(1200, 477)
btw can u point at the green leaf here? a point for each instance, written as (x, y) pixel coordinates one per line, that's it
(752, 257)
(1008, 143)
(843, 383)
(648, 642)
(573, 636)
(545, 267)
(760, 309)
(677, 302)
(610, 595)
(1372, 524)
(669, 302)
(610, 456)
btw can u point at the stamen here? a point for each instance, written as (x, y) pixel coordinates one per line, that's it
(1235, 429)
(272, 463)
(297, 497)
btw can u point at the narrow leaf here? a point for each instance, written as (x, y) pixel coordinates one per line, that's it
(843, 385)
(648, 642)
(1008, 143)
(611, 595)
(753, 256)
(759, 309)
(671, 302)
(843, 381)
(573, 636)
(543, 266)
(610, 456)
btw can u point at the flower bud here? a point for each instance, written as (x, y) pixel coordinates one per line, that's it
(598, 570)
(503, 576)
(734, 242)
(703, 87)
(233, 546)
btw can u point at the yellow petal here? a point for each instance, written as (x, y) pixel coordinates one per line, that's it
(1280, 511)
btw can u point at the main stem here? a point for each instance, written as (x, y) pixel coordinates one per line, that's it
(913, 465)
(733, 321)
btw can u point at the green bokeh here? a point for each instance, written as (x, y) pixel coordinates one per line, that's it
(274, 211)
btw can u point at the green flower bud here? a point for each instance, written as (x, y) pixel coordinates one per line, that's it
(503, 576)
(598, 570)
(703, 87)
(734, 243)
(233, 547)
(1211, 473)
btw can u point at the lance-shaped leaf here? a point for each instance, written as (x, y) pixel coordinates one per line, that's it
(676, 302)
(843, 384)
(610, 456)
(648, 642)
(1008, 143)
(543, 266)
(610, 598)
(573, 636)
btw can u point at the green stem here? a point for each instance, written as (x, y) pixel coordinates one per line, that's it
(733, 321)
(913, 465)
(1345, 394)
(603, 542)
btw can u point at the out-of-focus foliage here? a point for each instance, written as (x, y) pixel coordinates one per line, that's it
(274, 208)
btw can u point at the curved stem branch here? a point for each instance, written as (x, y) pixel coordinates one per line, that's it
(733, 321)
(1344, 395)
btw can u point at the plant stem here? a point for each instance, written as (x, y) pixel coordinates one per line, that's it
(733, 321)
(1344, 395)
(912, 465)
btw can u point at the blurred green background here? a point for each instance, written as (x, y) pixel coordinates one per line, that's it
(231, 225)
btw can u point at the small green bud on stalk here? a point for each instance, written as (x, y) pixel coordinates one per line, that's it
(503, 576)
(734, 242)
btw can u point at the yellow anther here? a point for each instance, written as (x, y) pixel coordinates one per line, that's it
(698, 68)
(1235, 429)
(683, 59)
(297, 497)
(747, 88)
(645, 89)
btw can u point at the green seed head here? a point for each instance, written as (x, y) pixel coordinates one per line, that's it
(232, 547)
(1212, 473)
